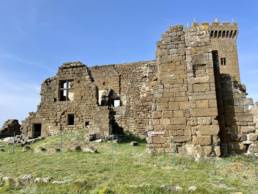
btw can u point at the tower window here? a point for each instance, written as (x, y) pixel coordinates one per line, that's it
(70, 119)
(219, 34)
(231, 33)
(234, 34)
(211, 34)
(223, 61)
(227, 34)
(215, 34)
(65, 87)
(223, 34)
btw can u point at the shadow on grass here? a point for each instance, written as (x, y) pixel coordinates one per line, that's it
(128, 137)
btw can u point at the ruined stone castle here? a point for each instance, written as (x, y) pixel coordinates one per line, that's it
(188, 99)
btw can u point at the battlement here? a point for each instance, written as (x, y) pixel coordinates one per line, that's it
(219, 30)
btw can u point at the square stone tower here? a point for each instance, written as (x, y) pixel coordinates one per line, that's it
(200, 105)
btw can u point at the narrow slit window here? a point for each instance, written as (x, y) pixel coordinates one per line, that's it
(227, 34)
(231, 33)
(211, 34)
(235, 33)
(219, 34)
(215, 34)
(223, 34)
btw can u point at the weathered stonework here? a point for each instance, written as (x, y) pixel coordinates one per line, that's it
(255, 114)
(189, 100)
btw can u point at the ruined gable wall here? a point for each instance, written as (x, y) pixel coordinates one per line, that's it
(52, 113)
(171, 106)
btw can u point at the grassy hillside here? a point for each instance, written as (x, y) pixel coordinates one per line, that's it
(122, 168)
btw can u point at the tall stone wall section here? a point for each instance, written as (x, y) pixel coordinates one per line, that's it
(203, 105)
(171, 104)
(185, 110)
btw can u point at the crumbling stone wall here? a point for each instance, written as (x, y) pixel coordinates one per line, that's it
(186, 106)
(52, 113)
(238, 118)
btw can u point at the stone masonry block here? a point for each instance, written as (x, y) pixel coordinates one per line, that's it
(208, 129)
(201, 87)
(204, 140)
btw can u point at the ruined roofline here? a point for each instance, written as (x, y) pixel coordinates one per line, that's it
(122, 64)
(77, 64)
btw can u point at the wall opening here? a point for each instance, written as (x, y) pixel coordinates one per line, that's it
(87, 123)
(70, 119)
(223, 34)
(227, 34)
(65, 90)
(211, 34)
(36, 130)
(215, 34)
(223, 61)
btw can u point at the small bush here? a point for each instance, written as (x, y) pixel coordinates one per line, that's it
(106, 190)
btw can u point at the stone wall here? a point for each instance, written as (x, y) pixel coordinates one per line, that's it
(200, 105)
(189, 100)
(132, 83)
(185, 106)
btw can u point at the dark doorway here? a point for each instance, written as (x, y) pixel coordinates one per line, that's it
(70, 119)
(36, 131)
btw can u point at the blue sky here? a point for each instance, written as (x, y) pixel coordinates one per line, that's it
(37, 36)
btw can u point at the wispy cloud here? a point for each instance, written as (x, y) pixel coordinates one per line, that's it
(11, 58)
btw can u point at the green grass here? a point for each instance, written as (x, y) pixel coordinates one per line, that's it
(121, 168)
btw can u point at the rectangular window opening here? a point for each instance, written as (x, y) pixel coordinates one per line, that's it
(65, 90)
(70, 119)
(223, 61)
